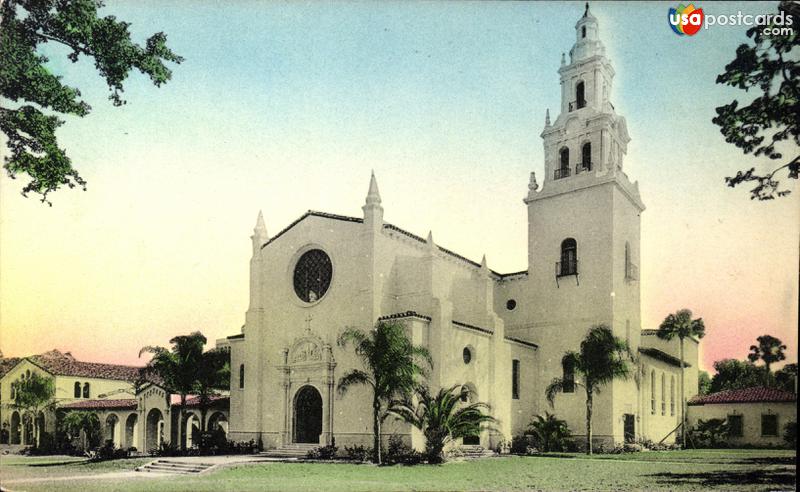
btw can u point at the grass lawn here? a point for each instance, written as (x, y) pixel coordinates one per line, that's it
(671, 470)
(16, 466)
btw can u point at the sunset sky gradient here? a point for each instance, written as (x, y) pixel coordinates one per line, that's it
(285, 107)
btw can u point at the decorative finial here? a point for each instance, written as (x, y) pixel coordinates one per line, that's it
(430, 242)
(483, 263)
(586, 12)
(533, 185)
(373, 195)
(547, 117)
(563, 59)
(260, 226)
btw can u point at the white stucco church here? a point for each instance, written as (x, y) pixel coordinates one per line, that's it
(503, 334)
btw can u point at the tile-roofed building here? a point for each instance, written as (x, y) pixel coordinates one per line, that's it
(746, 395)
(122, 404)
(59, 364)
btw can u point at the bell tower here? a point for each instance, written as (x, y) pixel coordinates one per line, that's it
(584, 226)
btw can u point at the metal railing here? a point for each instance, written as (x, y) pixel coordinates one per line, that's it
(568, 267)
(563, 172)
(631, 272)
(573, 105)
(583, 167)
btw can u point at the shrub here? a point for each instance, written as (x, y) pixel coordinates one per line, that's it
(166, 449)
(711, 433)
(549, 433)
(790, 434)
(398, 452)
(323, 453)
(358, 453)
(519, 444)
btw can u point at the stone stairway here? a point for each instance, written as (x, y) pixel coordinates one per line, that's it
(473, 451)
(175, 466)
(294, 450)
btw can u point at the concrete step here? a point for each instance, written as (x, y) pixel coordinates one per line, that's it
(175, 467)
(296, 450)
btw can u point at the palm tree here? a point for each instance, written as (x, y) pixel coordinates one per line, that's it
(549, 433)
(769, 350)
(602, 359)
(392, 366)
(213, 374)
(443, 417)
(681, 325)
(177, 367)
(84, 424)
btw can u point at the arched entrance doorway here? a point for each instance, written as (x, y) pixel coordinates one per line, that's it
(131, 431)
(191, 430)
(112, 430)
(218, 421)
(15, 429)
(307, 415)
(470, 396)
(154, 432)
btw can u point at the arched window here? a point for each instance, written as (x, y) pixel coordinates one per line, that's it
(86, 390)
(586, 157)
(580, 95)
(569, 376)
(663, 394)
(241, 376)
(563, 164)
(77, 393)
(28, 373)
(583, 31)
(13, 390)
(672, 396)
(653, 391)
(569, 257)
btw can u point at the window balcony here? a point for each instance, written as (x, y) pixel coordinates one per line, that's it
(563, 172)
(574, 105)
(564, 268)
(583, 167)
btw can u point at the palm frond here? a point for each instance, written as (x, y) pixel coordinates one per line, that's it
(354, 377)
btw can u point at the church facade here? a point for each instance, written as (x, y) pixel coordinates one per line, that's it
(501, 334)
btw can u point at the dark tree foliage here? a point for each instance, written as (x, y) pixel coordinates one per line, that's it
(770, 66)
(785, 377)
(736, 374)
(33, 88)
(769, 350)
(703, 383)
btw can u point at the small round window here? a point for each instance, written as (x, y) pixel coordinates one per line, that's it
(511, 304)
(312, 275)
(467, 355)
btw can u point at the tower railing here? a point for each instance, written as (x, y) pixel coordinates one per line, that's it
(583, 167)
(563, 172)
(566, 267)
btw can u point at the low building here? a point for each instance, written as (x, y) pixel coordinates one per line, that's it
(756, 416)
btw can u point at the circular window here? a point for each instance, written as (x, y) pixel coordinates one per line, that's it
(467, 355)
(511, 304)
(312, 275)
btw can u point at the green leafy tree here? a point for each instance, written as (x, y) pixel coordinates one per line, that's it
(33, 394)
(732, 374)
(769, 350)
(549, 433)
(703, 383)
(786, 377)
(37, 95)
(770, 68)
(602, 359)
(83, 424)
(682, 326)
(443, 417)
(213, 376)
(178, 368)
(392, 368)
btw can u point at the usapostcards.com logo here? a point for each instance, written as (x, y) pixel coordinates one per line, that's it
(687, 21)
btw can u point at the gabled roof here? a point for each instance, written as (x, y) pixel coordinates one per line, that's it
(662, 356)
(391, 227)
(124, 404)
(747, 395)
(64, 364)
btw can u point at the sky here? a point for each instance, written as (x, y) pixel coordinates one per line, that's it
(288, 106)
